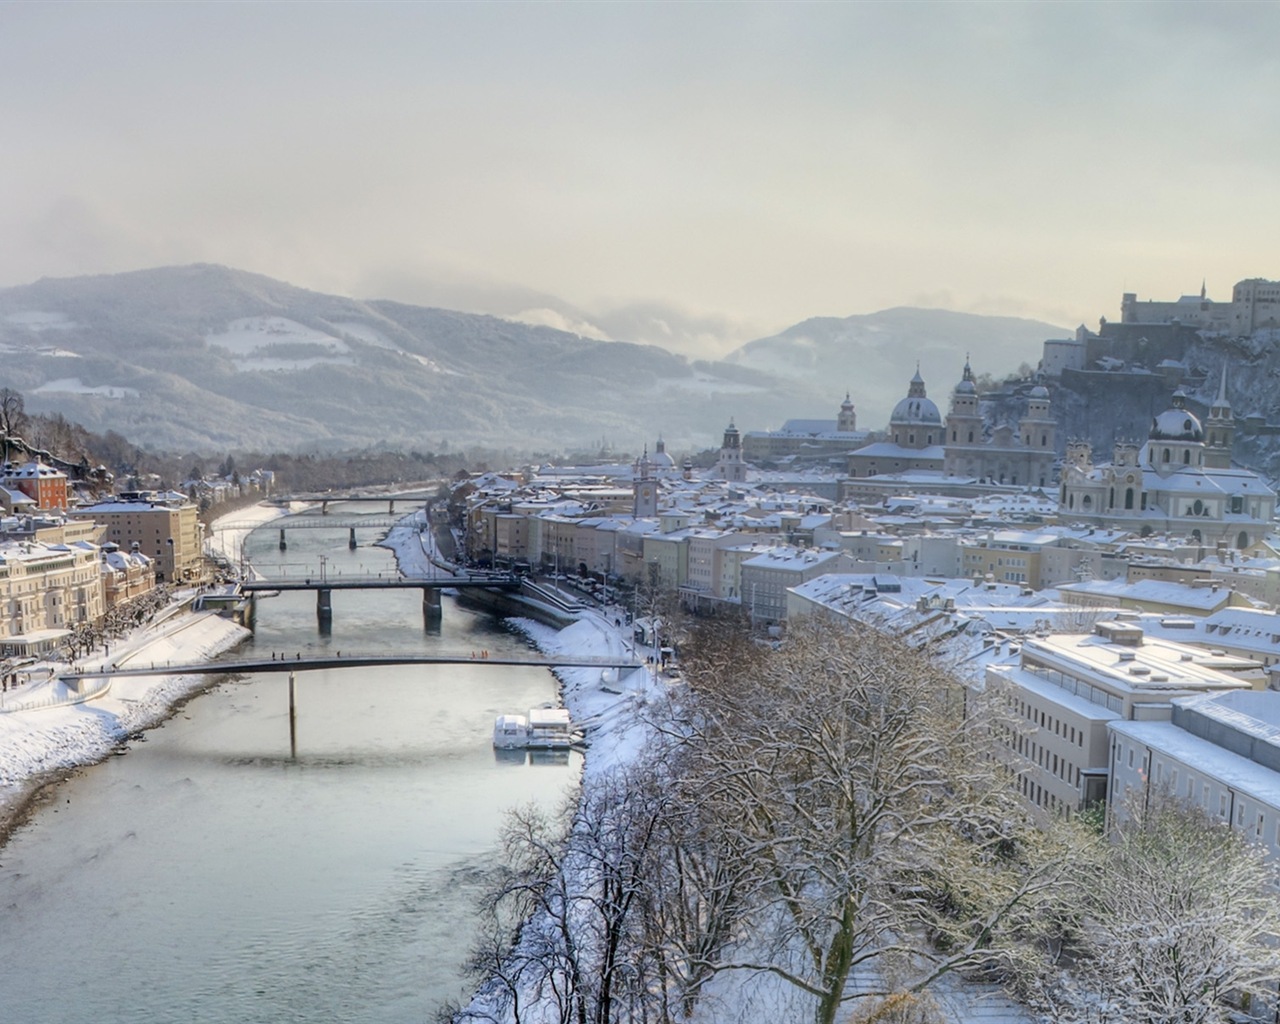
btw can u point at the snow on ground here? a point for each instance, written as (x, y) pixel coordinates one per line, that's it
(225, 540)
(41, 740)
(41, 733)
(410, 540)
(246, 336)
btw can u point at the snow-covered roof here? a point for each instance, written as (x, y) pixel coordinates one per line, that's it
(889, 450)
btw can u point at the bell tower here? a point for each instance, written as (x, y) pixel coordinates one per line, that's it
(1219, 429)
(644, 488)
(730, 465)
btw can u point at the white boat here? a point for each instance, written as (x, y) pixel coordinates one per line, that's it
(510, 731)
(542, 728)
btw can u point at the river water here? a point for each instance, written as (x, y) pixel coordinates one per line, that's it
(210, 876)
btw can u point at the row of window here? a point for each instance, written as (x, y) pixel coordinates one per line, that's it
(1230, 807)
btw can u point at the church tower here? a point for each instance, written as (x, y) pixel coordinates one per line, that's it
(847, 419)
(964, 421)
(1220, 429)
(644, 488)
(1037, 426)
(731, 467)
(962, 436)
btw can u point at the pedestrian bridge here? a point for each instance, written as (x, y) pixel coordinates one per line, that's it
(295, 662)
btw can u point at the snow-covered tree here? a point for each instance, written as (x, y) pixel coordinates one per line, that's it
(882, 835)
(578, 882)
(1183, 926)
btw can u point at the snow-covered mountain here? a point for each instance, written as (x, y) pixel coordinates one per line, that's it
(208, 358)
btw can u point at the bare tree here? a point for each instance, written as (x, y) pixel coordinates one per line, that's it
(13, 417)
(1183, 926)
(845, 771)
(580, 887)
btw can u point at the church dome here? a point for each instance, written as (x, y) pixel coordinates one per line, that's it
(1039, 391)
(661, 459)
(916, 410)
(967, 385)
(1177, 424)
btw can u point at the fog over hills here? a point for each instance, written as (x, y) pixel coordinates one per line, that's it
(868, 354)
(204, 357)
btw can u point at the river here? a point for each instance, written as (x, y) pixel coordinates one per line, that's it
(210, 876)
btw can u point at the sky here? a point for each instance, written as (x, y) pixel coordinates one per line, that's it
(692, 174)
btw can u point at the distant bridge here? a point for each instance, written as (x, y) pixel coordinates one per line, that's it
(487, 581)
(284, 663)
(314, 522)
(419, 495)
(325, 585)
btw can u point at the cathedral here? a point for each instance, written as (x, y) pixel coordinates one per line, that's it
(1181, 481)
(914, 442)
(1022, 456)
(919, 440)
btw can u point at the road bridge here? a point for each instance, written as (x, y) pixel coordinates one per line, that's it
(324, 586)
(418, 497)
(350, 523)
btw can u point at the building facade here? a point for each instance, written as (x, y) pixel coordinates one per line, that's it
(1178, 482)
(1021, 455)
(170, 534)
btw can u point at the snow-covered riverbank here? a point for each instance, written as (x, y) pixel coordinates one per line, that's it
(39, 744)
(613, 714)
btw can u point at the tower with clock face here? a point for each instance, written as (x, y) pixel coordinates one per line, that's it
(644, 488)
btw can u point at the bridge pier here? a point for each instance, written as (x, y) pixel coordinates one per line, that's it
(293, 717)
(431, 611)
(391, 508)
(351, 541)
(324, 508)
(283, 545)
(324, 604)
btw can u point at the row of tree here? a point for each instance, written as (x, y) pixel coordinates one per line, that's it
(85, 637)
(830, 822)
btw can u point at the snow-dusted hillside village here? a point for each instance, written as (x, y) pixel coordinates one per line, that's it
(968, 716)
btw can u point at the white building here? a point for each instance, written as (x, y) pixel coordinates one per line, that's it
(1069, 689)
(1175, 483)
(1219, 752)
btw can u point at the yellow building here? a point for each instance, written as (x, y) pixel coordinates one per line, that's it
(44, 591)
(171, 535)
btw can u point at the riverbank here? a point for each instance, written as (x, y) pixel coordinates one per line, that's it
(613, 711)
(41, 745)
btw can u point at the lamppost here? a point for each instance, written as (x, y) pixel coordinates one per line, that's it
(323, 561)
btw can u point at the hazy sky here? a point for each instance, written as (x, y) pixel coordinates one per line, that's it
(728, 168)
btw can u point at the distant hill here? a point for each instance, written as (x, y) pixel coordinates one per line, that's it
(208, 358)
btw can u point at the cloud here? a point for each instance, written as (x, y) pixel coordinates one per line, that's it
(545, 317)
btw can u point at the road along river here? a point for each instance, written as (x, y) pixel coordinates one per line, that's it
(208, 876)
